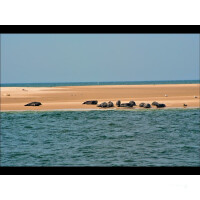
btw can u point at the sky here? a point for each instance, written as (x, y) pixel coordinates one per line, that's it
(38, 58)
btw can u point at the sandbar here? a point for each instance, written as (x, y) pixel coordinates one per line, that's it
(72, 97)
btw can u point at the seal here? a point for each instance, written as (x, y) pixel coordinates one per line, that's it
(160, 105)
(90, 102)
(33, 104)
(147, 105)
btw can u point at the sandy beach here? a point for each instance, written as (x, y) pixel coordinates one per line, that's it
(72, 97)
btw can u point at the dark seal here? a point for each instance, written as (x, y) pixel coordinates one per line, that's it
(33, 104)
(90, 102)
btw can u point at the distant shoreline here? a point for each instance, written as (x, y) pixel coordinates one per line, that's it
(99, 83)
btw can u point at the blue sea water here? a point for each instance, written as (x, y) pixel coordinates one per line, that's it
(167, 137)
(98, 83)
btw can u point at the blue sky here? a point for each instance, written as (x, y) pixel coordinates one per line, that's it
(34, 58)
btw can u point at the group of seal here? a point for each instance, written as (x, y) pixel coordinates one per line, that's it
(104, 104)
(111, 104)
(129, 105)
(147, 105)
(118, 104)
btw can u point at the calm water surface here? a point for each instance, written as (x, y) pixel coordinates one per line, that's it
(101, 138)
(99, 83)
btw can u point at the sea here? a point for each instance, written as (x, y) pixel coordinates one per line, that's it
(152, 137)
(56, 84)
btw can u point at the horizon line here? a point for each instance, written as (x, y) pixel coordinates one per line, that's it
(101, 81)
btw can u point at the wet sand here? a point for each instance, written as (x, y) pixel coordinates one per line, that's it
(72, 97)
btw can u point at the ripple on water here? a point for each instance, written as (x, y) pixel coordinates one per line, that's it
(96, 138)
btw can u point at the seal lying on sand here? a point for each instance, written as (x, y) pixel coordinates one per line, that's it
(147, 105)
(103, 105)
(141, 104)
(110, 104)
(90, 102)
(133, 103)
(118, 103)
(126, 105)
(33, 104)
(155, 103)
(160, 105)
